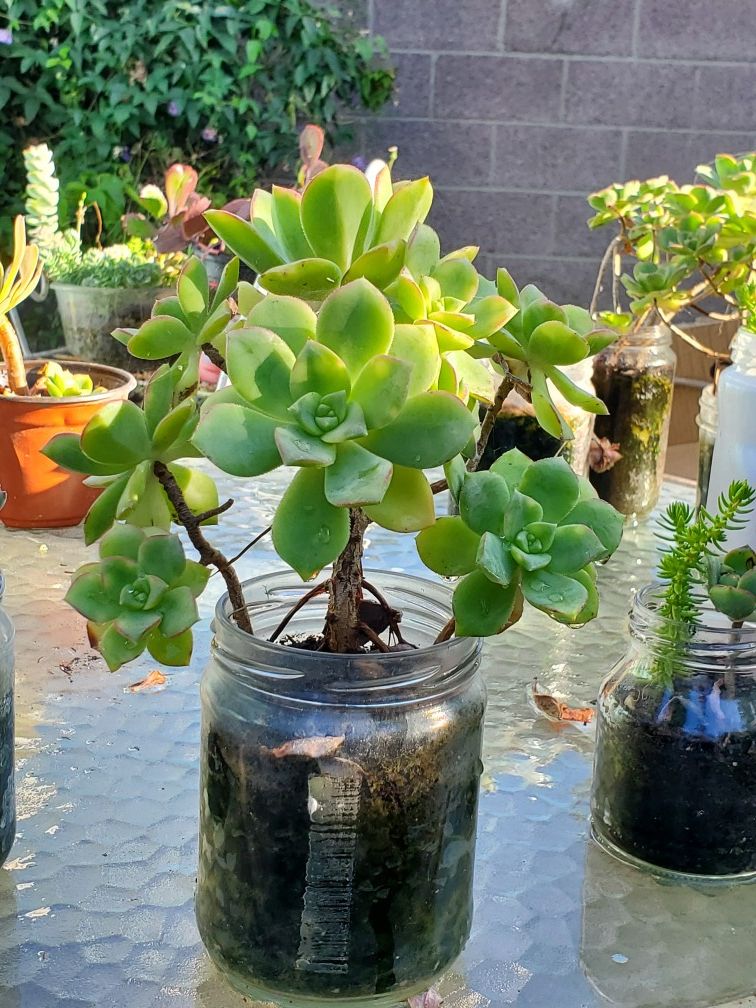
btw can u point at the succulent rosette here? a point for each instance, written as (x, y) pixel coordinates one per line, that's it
(526, 531)
(140, 595)
(732, 583)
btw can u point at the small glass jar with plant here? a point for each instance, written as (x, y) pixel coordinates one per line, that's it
(97, 289)
(693, 249)
(38, 399)
(674, 786)
(341, 731)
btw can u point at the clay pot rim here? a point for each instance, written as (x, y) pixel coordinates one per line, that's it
(122, 379)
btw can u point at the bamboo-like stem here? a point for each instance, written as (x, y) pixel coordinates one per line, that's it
(14, 360)
(208, 554)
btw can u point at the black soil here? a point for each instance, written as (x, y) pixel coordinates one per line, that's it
(675, 774)
(375, 899)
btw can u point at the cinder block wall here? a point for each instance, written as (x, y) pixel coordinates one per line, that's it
(519, 108)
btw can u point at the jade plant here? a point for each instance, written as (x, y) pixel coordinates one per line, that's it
(359, 362)
(692, 244)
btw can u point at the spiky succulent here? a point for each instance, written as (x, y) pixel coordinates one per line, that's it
(526, 531)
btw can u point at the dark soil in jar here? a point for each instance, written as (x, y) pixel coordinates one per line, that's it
(639, 404)
(7, 792)
(675, 774)
(518, 430)
(344, 871)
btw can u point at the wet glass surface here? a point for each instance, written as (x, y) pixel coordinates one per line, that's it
(96, 898)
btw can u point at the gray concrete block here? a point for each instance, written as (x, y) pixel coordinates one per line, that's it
(630, 94)
(566, 158)
(413, 85)
(452, 153)
(439, 24)
(726, 97)
(572, 236)
(499, 222)
(570, 26)
(697, 29)
(564, 280)
(651, 153)
(498, 88)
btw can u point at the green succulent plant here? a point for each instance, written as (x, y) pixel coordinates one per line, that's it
(732, 583)
(357, 362)
(141, 594)
(60, 382)
(526, 531)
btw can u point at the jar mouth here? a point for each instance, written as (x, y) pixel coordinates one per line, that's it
(424, 669)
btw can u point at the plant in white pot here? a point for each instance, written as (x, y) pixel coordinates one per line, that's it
(342, 721)
(97, 289)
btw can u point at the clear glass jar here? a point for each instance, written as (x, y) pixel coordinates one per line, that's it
(674, 777)
(7, 790)
(634, 377)
(707, 437)
(734, 455)
(338, 802)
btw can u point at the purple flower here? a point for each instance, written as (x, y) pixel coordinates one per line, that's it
(359, 162)
(210, 134)
(173, 109)
(125, 154)
(6, 36)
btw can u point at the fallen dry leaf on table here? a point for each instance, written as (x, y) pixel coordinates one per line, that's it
(555, 710)
(155, 678)
(431, 999)
(314, 747)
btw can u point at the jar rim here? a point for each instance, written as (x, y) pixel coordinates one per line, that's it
(645, 606)
(275, 654)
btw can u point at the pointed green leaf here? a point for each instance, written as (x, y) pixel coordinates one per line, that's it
(285, 207)
(458, 279)
(455, 472)
(554, 485)
(135, 490)
(311, 279)
(171, 650)
(380, 265)
(408, 207)
(117, 435)
(482, 607)
(483, 502)
(318, 369)
(356, 477)
(197, 488)
(356, 323)
(554, 593)
(240, 441)
(448, 547)
(409, 299)
(574, 394)
(537, 309)
(259, 365)
(162, 555)
(494, 558)
(382, 389)
(556, 343)
(736, 603)
(298, 448)
(352, 426)
(122, 540)
(506, 286)
(291, 319)
(195, 577)
(117, 649)
(247, 296)
(101, 514)
(547, 415)
(334, 204)
(172, 425)
(65, 450)
(407, 505)
(158, 337)
(158, 396)
(522, 511)
(193, 288)
(308, 532)
(243, 240)
(179, 611)
(573, 547)
(423, 251)
(227, 284)
(472, 375)
(86, 595)
(134, 625)
(417, 344)
(432, 428)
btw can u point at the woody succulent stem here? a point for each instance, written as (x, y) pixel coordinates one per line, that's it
(14, 361)
(342, 632)
(208, 554)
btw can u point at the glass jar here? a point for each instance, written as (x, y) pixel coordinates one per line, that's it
(338, 802)
(7, 790)
(707, 436)
(734, 455)
(634, 377)
(674, 777)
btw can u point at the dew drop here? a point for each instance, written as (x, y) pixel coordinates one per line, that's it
(556, 597)
(324, 534)
(619, 958)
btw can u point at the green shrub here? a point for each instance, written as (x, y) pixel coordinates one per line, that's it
(221, 86)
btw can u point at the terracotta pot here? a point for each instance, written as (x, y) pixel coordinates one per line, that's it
(40, 493)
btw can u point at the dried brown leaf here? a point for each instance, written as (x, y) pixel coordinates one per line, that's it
(431, 999)
(315, 747)
(556, 710)
(155, 678)
(603, 454)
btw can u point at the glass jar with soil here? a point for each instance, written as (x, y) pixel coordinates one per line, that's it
(674, 780)
(7, 791)
(338, 801)
(634, 378)
(707, 437)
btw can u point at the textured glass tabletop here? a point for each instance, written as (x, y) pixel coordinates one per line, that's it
(96, 897)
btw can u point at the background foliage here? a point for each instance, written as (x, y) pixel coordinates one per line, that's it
(124, 89)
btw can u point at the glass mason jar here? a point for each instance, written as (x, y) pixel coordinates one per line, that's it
(674, 777)
(707, 437)
(634, 377)
(7, 790)
(734, 455)
(338, 802)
